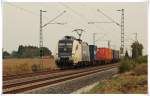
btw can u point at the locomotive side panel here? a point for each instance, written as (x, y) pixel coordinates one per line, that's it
(85, 52)
(76, 52)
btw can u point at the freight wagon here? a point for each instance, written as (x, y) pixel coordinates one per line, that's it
(104, 55)
(115, 56)
(92, 49)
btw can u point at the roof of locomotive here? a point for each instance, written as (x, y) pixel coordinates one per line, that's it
(72, 38)
(68, 38)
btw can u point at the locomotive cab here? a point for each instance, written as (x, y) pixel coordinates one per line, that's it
(64, 58)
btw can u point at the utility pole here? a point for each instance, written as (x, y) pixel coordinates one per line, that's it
(121, 25)
(136, 37)
(41, 32)
(94, 38)
(79, 32)
(108, 43)
(41, 35)
(122, 32)
(41, 39)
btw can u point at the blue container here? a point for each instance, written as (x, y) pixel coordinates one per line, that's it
(92, 50)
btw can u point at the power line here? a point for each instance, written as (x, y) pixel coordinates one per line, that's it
(121, 25)
(111, 20)
(25, 10)
(136, 36)
(79, 32)
(37, 14)
(122, 31)
(55, 19)
(83, 18)
(108, 17)
(94, 38)
(41, 33)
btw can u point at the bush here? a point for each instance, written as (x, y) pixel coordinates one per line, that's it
(34, 68)
(141, 59)
(37, 68)
(140, 69)
(126, 65)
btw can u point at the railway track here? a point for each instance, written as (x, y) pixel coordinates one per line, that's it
(28, 74)
(26, 84)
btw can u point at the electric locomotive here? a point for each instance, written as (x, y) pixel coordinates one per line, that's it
(72, 52)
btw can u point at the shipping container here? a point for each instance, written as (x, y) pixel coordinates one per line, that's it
(92, 49)
(104, 54)
(115, 55)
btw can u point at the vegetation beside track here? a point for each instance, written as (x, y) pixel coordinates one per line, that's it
(129, 64)
(27, 65)
(132, 78)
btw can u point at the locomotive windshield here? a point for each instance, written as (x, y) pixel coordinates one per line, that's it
(65, 47)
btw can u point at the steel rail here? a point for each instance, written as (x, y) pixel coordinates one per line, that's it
(44, 82)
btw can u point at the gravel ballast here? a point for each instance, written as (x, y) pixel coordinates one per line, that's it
(71, 86)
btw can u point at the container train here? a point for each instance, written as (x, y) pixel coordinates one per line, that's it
(72, 52)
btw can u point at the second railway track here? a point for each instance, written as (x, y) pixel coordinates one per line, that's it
(29, 84)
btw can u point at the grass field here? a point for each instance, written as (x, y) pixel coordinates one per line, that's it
(131, 82)
(28, 65)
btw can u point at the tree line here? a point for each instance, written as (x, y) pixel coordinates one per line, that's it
(33, 51)
(27, 52)
(137, 50)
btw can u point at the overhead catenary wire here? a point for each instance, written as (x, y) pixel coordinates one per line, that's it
(37, 14)
(121, 26)
(22, 9)
(83, 18)
(111, 20)
(108, 17)
(75, 12)
(41, 33)
(55, 19)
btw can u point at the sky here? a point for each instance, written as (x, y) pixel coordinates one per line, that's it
(21, 24)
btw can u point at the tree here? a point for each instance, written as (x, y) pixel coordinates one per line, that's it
(14, 54)
(126, 54)
(30, 52)
(5, 54)
(20, 50)
(136, 49)
(46, 51)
